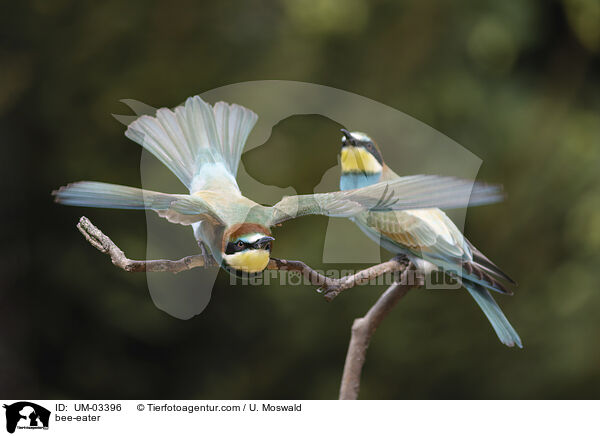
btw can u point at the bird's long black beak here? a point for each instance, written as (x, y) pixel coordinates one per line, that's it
(262, 242)
(349, 138)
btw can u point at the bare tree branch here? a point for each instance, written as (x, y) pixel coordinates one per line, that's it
(103, 243)
(330, 287)
(362, 328)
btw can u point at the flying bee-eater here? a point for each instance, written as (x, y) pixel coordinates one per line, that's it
(202, 145)
(426, 235)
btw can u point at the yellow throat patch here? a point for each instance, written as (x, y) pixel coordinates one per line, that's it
(357, 159)
(248, 261)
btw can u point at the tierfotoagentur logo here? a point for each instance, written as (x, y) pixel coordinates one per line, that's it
(25, 415)
(433, 280)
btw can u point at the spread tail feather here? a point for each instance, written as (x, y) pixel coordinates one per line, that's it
(193, 134)
(506, 333)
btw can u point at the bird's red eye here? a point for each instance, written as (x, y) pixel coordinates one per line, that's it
(240, 244)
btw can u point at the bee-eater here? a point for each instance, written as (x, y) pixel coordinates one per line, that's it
(426, 235)
(202, 145)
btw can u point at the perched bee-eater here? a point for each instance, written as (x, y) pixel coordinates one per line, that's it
(202, 145)
(426, 235)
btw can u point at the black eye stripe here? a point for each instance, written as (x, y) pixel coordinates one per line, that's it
(370, 147)
(232, 247)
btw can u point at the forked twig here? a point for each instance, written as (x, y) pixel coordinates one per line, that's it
(103, 243)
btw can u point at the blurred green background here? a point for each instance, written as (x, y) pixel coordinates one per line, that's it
(517, 83)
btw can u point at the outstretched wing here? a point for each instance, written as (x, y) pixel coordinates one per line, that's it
(412, 192)
(180, 209)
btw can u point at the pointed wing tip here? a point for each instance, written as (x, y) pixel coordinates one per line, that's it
(56, 193)
(514, 342)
